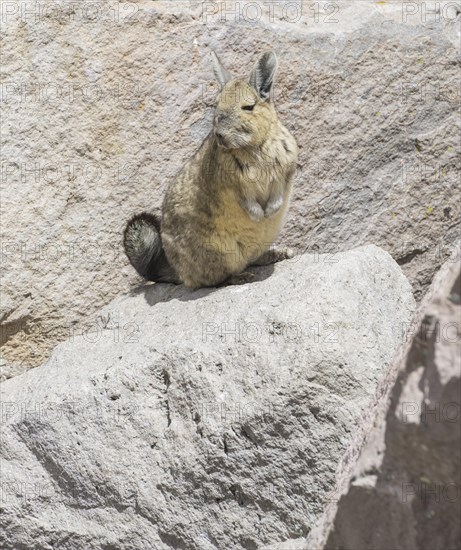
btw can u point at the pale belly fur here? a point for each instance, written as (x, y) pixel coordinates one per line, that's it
(240, 239)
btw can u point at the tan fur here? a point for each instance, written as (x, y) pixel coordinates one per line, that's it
(227, 205)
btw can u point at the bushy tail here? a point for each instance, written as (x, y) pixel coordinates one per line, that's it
(143, 246)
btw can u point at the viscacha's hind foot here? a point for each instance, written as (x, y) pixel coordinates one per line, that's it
(241, 278)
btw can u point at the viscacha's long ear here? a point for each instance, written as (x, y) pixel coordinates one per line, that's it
(222, 75)
(262, 76)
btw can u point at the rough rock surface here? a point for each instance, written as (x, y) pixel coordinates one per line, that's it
(103, 103)
(201, 420)
(405, 491)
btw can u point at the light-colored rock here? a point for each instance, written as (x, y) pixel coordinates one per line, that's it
(405, 490)
(201, 420)
(102, 104)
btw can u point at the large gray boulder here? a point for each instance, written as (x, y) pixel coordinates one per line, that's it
(103, 103)
(202, 420)
(404, 491)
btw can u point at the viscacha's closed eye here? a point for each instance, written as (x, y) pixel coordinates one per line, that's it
(248, 107)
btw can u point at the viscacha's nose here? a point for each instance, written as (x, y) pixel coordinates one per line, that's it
(221, 118)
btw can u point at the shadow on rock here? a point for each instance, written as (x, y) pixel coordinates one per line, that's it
(155, 293)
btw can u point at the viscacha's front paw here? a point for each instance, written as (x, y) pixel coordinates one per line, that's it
(254, 210)
(273, 206)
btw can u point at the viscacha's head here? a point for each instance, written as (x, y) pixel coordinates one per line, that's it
(244, 112)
